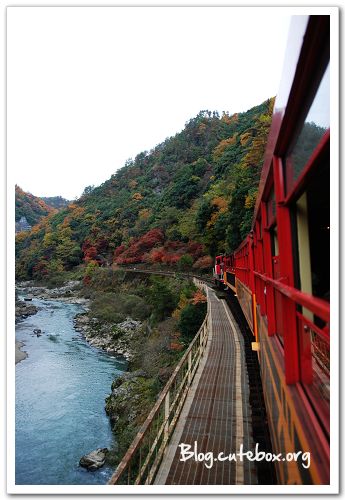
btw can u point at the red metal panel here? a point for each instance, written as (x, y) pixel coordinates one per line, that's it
(317, 306)
(287, 275)
(305, 354)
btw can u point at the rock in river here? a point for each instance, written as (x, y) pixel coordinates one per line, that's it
(94, 460)
(23, 310)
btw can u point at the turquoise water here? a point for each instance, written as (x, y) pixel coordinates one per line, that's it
(60, 392)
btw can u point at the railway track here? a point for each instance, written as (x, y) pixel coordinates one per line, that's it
(265, 470)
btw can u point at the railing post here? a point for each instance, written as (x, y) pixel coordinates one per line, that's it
(291, 353)
(166, 416)
(189, 367)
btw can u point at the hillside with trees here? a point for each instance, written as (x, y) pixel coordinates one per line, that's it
(31, 207)
(175, 206)
(57, 202)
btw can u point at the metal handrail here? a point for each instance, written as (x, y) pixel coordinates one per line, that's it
(142, 469)
(315, 305)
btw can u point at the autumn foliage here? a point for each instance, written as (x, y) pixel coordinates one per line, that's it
(153, 248)
(138, 247)
(177, 205)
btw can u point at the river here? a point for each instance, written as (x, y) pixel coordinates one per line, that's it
(60, 392)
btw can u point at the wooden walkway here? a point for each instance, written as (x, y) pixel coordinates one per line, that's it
(216, 415)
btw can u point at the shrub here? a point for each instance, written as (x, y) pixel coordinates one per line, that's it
(162, 298)
(185, 262)
(113, 307)
(191, 319)
(205, 262)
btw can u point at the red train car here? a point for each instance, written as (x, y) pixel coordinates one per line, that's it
(281, 271)
(224, 271)
(218, 273)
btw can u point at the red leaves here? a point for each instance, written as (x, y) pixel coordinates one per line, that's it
(204, 262)
(198, 298)
(152, 249)
(90, 253)
(156, 255)
(171, 259)
(151, 239)
(138, 247)
(40, 269)
(119, 250)
(195, 249)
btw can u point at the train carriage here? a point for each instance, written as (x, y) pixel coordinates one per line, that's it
(281, 271)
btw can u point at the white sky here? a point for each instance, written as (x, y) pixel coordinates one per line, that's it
(89, 87)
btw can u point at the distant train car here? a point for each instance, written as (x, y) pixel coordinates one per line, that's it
(218, 273)
(224, 272)
(281, 271)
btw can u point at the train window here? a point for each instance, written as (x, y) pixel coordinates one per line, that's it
(312, 226)
(318, 199)
(274, 241)
(314, 127)
(313, 240)
(303, 242)
(271, 208)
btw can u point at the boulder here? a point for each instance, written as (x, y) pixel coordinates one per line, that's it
(94, 460)
(23, 310)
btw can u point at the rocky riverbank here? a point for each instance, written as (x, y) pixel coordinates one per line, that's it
(114, 338)
(132, 398)
(70, 292)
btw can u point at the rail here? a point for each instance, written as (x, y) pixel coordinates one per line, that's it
(315, 305)
(174, 274)
(313, 338)
(141, 462)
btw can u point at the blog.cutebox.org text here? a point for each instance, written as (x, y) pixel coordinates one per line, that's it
(189, 452)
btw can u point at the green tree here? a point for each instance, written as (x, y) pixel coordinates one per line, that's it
(185, 263)
(162, 298)
(191, 319)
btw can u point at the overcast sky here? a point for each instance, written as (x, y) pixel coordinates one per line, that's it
(90, 87)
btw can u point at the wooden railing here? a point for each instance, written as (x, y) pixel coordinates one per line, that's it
(142, 459)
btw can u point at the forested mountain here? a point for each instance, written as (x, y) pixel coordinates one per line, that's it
(178, 205)
(55, 201)
(29, 206)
